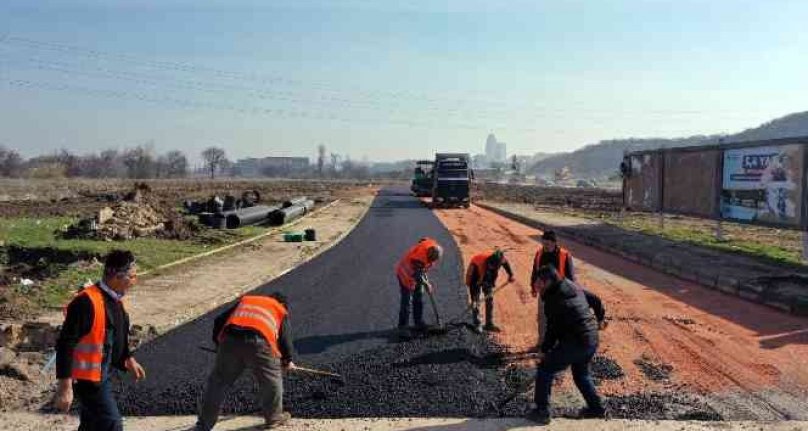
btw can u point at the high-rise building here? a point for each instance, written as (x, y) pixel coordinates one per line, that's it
(491, 147)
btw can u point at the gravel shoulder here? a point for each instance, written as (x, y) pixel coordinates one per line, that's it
(33, 422)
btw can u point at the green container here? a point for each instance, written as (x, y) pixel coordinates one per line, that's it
(293, 237)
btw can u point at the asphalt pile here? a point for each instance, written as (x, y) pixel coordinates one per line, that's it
(662, 406)
(605, 368)
(652, 370)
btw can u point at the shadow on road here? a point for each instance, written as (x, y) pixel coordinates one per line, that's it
(320, 343)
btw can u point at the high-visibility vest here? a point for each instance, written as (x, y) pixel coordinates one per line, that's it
(88, 354)
(405, 269)
(478, 263)
(262, 314)
(562, 261)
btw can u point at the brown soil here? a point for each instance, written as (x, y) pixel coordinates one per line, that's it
(710, 343)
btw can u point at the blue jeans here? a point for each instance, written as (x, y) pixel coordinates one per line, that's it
(577, 356)
(416, 297)
(99, 412)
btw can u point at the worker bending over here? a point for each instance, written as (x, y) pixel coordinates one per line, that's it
(255, 333)
(411, 272)
(481, 276)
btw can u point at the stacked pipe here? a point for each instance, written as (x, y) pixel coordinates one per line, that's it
(248, 216)
(292, 210)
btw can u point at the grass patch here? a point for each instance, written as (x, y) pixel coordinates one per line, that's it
(36, 244)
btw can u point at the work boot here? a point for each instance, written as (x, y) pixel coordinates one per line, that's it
(478, 328)
(541, 417)
(278, 420)
(592, 413)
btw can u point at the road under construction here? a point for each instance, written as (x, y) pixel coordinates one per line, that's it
(673, 350)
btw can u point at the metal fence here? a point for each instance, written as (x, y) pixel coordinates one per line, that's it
(760, 182)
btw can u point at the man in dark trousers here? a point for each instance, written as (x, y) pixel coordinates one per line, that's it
(571, 341)
(411, 272)
(254, 333)
(481, 277)
(93, 342)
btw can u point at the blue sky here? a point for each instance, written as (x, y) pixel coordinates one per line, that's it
(390, 81)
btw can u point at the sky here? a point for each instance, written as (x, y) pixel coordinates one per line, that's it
(391, 80)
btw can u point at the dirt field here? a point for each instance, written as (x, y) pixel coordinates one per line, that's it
(666, 336)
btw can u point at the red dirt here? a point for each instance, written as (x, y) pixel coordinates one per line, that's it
(715, 343)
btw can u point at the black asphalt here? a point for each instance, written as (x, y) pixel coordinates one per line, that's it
(344, 305)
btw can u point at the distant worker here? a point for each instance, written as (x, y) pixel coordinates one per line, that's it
(254, 333)
(93, 342)
(481, 277)
(411, 272)
(571, 341)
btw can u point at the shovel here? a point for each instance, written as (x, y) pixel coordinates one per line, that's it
(336, 377)
(438, 329)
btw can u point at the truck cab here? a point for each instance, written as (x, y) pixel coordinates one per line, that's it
(452, 180)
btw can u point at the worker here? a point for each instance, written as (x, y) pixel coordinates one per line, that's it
(254, 333)
(481, 276)
(550, 253)
(571, 341)
(411, 272)
(94, 342)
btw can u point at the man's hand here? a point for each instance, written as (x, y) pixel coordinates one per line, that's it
(534, 292)
(289, 366)
(511, 279)
(603, 324)
(64, 395)
(135, 368)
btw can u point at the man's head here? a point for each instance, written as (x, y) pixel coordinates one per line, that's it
(434, 253)
(279, 297)
(546, 277)
(549, 241)
(496, 258)
(120, 271)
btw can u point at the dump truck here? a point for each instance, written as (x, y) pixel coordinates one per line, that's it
(452, 177)
(422, 180)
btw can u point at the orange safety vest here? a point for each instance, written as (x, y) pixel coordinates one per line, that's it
(405, 270)
(562, 257)
(477, 264)
(88, 354)
(259, 313)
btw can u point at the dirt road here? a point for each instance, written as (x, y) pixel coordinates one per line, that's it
(666, 336)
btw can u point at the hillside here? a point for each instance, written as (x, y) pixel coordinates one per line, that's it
(601, 159)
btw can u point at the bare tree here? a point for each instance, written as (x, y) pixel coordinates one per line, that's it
(139, 162)
(10, 163)
(215, 159)
(334, 162)
(176, 164)
(320, 159)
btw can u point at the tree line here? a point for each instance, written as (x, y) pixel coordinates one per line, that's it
(138, 162)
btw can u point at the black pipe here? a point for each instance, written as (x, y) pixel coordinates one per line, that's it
(295, 201)
(285, 215)
(248, 216)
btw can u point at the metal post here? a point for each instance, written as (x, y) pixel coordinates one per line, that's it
(805, 246)
(719, 230)
(661, 220)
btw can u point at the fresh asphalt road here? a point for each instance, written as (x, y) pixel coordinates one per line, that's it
(342, 303)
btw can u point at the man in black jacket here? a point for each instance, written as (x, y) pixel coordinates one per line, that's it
(571, 340)
(93, 342)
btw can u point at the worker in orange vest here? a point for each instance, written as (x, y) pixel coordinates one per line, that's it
(550, 253)
(481, 276)
(93, 342)
(411, 272)
(254, 333)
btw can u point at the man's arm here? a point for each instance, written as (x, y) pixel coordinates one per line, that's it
(534, 274)
(420, 277)
(126, 352)
(78, 322)
(595, 304)
(219, 322)
(286, 342)
(550, 334)
(570, 268)
(475, 276)
(508, 270)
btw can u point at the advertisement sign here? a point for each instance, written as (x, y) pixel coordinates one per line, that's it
(763, 184)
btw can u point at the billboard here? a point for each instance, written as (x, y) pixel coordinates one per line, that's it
(642, 183)
(690, 182)
(763, 184)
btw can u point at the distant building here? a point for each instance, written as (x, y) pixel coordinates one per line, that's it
(495, 152)
(270, 166)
